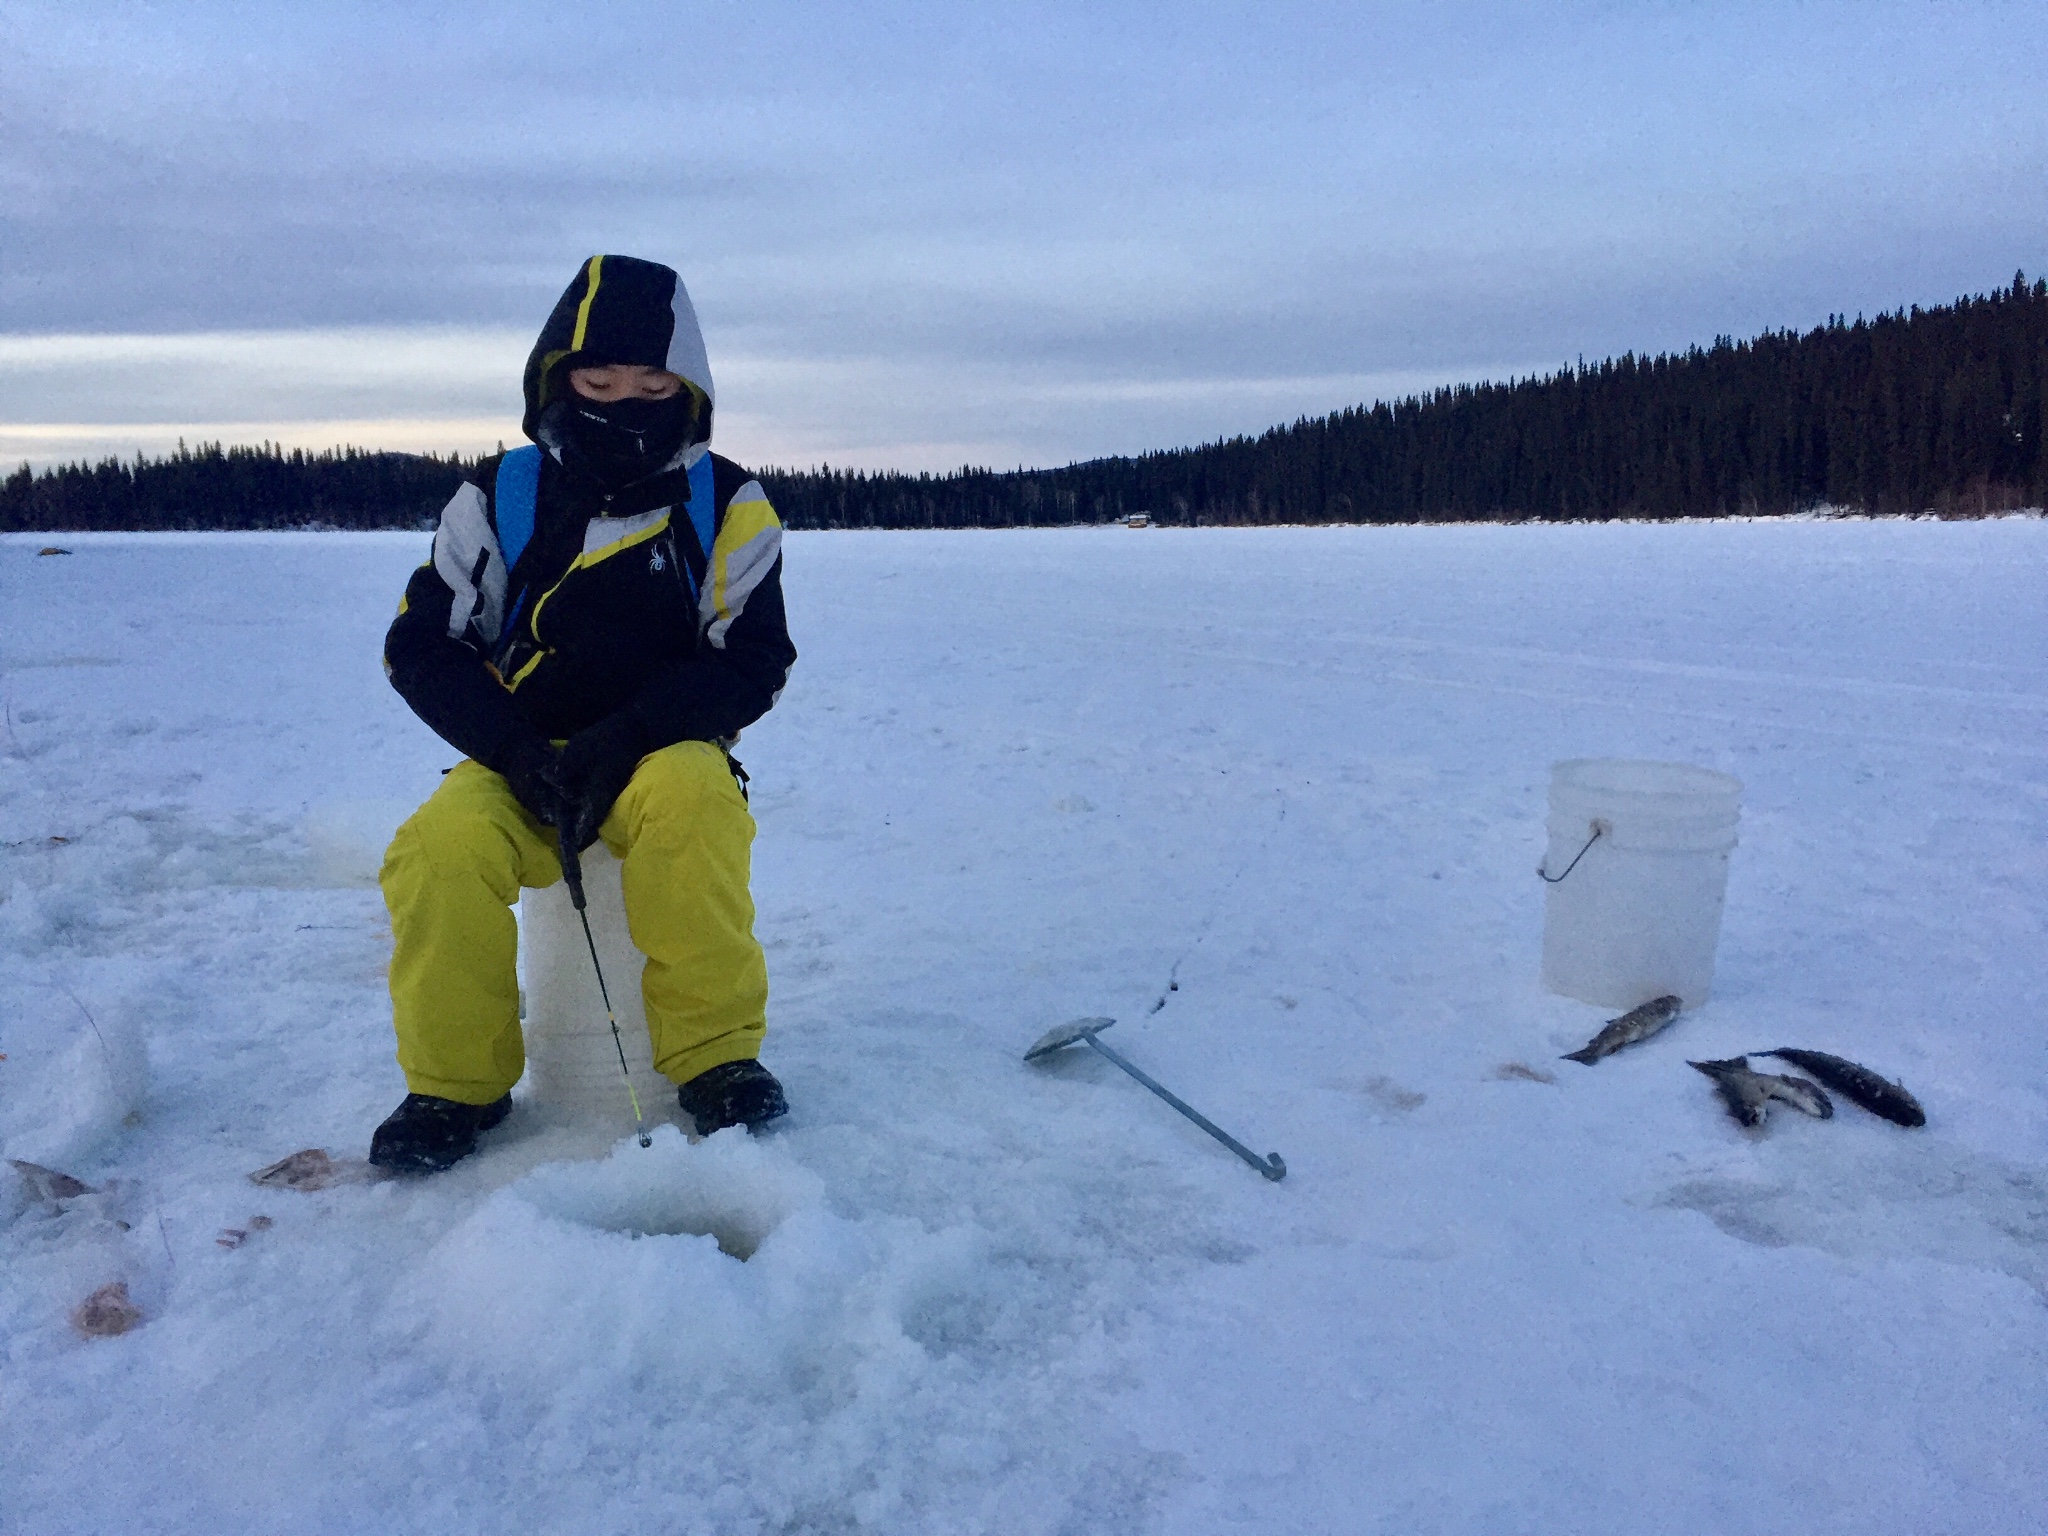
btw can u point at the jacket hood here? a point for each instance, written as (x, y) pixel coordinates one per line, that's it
(619, 309)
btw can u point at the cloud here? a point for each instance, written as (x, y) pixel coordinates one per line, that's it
(43, 445)
(424, 389)
(66, 398)
(384, 371)
(1051, 231)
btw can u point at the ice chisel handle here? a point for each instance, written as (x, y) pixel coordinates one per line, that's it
(1271, 1166)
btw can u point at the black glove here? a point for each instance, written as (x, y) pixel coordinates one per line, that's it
(593, 768)
(530, 771)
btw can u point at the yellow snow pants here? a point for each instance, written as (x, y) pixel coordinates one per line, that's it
(684, 835)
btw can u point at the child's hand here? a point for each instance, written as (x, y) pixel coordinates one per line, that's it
(530, 773)
(592, 770)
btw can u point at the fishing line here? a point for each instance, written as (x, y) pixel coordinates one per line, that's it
(1216, 906)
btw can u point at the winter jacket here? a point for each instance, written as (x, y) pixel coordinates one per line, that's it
(663, 598)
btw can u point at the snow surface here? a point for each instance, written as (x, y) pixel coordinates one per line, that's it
(1017, 778)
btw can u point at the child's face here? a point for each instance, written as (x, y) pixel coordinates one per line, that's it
(624, 381)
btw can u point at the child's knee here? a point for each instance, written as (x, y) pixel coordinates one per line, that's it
(687, 779)
(463, 827)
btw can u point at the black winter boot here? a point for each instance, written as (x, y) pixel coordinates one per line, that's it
(737, 1093)
(426, 1134)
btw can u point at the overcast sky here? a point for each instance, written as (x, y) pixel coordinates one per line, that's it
(926, 235)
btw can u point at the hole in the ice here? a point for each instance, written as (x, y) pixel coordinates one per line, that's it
(737, 1235)
(738, 1225)
(733, 1191)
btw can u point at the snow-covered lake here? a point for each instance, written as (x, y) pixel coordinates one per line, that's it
(1020, 777)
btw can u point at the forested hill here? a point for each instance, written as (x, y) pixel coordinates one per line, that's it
(1923, 410)
(1939, 410)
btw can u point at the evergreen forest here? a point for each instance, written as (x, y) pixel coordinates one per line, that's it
(241, 487)
(1939, 410)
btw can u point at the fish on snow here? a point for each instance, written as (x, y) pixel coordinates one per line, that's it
(1748, 1093)
(1858, 1084)
(1639, 1023)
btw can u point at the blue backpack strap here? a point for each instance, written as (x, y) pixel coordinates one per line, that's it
(518, 493)
(703, 505)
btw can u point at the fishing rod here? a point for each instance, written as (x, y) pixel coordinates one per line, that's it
(572, 872)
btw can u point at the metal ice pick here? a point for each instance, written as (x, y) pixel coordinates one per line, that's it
(1087, 1029)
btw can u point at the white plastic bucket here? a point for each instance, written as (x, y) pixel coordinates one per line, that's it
(571, 1061)
(1639, 914)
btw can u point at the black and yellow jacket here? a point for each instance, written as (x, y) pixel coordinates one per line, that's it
(664, 598)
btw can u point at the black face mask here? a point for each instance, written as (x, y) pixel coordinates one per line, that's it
(615, 442)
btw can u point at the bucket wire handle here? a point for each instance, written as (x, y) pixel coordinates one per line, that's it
(1599, 827)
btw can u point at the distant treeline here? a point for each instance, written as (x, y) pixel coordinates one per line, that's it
(1925, 410)
(215, 487)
